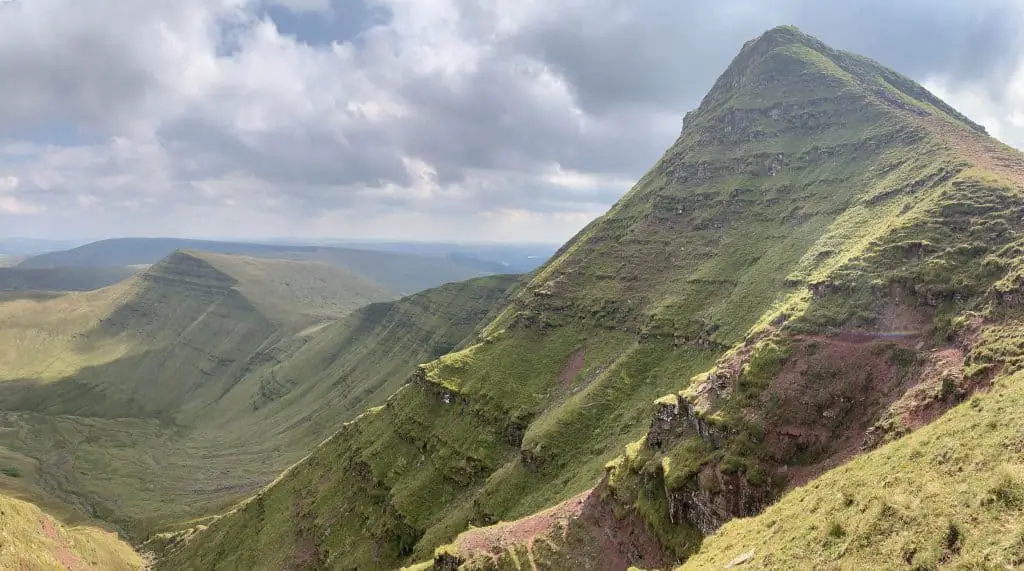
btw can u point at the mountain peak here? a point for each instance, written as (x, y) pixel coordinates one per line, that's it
(785, 66)
(189, 269)
(781, 35)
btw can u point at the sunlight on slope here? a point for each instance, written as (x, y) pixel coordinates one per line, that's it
(32, 539)
(41, 338)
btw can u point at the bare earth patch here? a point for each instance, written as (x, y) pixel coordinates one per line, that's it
(571, 369)
(586, 523)
(62, 551)
(494, 539)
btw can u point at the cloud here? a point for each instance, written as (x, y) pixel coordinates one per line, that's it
(452, 119)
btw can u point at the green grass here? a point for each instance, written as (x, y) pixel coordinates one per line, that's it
(299, 294)
(171, 396)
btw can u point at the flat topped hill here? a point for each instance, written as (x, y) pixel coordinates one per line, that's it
(399, 272)
(298, 293)
(826, 260)
(61, 279)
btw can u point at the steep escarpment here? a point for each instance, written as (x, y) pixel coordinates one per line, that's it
(825, 260)
(948, 495)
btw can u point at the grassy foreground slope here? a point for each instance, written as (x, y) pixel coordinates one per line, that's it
(33, 540)
(170, 396)
(403, 273)
(826, 259)
(948, 495)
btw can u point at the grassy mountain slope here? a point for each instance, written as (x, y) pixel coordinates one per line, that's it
(399, 272)
(806, 272)
(178, 334)
(32, 539)
(175, 393)
(62, 279)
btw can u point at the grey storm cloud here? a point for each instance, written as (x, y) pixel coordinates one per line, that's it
(353, 112)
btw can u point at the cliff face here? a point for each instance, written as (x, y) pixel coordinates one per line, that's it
(807, 272)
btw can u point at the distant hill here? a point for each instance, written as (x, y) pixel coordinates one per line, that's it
(399, 272)
(62, 279)
(174, 393)
(34, 246)
(296, 292)
(502, 258)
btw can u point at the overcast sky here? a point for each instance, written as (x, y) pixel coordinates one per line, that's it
(497, 120)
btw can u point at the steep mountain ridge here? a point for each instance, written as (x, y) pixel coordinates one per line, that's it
(874, 345)
(828, 251)
(173, 394)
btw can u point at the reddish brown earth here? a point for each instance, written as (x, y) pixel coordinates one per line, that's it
(979, 150)
(493, 540)
(571, 369)
(620, 542)
(825, 405)
(598, 537)
(62, 552)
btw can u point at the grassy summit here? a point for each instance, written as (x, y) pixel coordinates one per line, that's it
(826, 259)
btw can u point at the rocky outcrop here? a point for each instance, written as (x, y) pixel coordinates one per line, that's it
(445, 561)
(675, 418)
(895, 101)
(715, 499)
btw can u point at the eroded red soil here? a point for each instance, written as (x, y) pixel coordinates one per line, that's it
(499, 537)
(571, 369)
(597, 535)
(62, 552)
